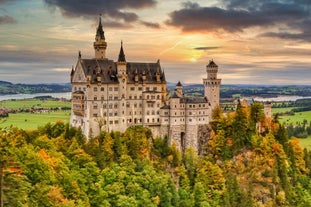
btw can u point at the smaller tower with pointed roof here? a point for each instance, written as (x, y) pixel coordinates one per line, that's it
(100, 44)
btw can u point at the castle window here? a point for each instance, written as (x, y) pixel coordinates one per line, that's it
(110, 114)
(127, 105)
(94, 115)
(153, 113)
(147, 89)
(148, 113)
(203, 105)
(158, 112)
(95, 107)
(132, 88)
(135, 97)
(110, 122)
(116, 88)
(130, 97)
(140, 88)
(147, 120)
(104, 106)
(110, 97)
(158, 120)
(102, 89)
(116, 98)
(190, 113)
(158, 96)
(140, 105)
(116, 106)
(140, 97)
(105, 114)
(116, 122)
(116, 113)
(152, 97)
(190, 106)
(155, 88)
(152, 120)
(110, 106)
(110, 88)
(190, 120)
(135, 105)
(95, 88)
(147, 96)
(102, 98)
(95, 98)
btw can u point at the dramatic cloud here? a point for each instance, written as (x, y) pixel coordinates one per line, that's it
(7, 20)
(292, 18)
(110, 9)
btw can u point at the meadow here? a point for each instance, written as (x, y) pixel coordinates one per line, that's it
(34, 120)
(34, 103)
(298, 117)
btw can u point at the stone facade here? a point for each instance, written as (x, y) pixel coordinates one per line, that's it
(112, 96)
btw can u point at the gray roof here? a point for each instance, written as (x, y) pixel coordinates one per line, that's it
(193, 100)
(212, 64)
(107, 70)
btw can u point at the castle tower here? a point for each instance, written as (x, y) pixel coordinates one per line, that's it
(178, 90)
(100, 44)
(122, 79)
(212, 84)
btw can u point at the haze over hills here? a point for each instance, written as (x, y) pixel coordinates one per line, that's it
(227, 91)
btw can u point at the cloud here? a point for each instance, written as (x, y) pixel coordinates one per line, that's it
(150, 24)
(206, 48)
(111, 10)
(286, 17)
(7, 20)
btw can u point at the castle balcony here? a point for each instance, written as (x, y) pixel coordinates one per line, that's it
(78, 112)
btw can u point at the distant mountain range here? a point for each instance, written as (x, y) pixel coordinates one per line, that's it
(11, 88)
(226, 91)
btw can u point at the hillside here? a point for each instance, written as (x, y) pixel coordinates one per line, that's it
(10, 88)
(236, 90)
(241, 166)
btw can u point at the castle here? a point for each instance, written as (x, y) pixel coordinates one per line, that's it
(112, 96)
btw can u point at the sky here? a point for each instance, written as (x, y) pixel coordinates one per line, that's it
(253, 42)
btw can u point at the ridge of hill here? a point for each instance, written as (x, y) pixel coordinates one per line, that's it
(11, 88)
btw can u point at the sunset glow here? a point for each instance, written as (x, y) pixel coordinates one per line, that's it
(264, 42)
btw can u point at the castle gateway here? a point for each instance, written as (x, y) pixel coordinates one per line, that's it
(112, 96)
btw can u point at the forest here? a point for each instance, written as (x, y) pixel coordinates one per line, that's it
(249, 160)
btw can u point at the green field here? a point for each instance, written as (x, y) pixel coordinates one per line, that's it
(34, 103)
(306, 143)
(32, 121)
(281, 110)
(297, 118)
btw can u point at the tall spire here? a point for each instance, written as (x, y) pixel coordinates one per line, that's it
(100, 32)
(100, 44)
(121, 54)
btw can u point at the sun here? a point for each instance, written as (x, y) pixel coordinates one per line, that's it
(193, 60)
